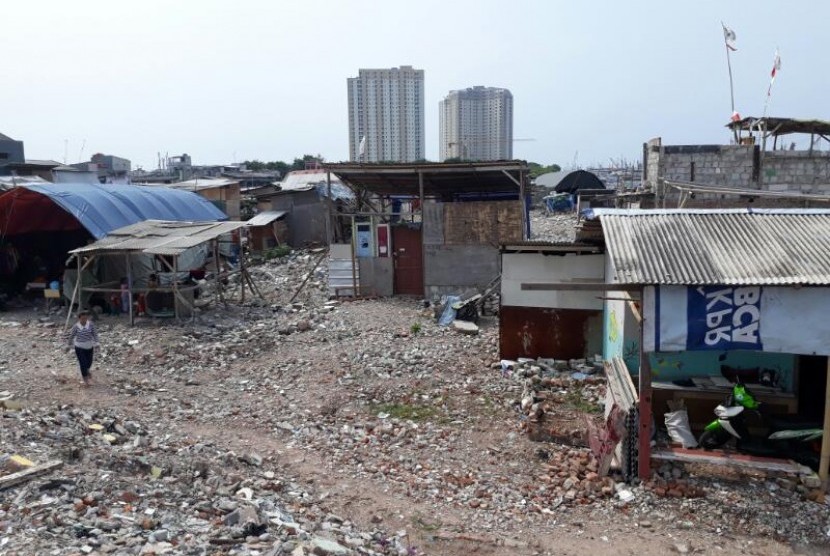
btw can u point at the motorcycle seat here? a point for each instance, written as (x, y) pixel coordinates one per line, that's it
(780, 423)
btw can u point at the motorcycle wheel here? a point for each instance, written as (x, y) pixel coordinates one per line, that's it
(710, 440)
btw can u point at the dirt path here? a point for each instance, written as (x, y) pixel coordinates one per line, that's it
(292, 401)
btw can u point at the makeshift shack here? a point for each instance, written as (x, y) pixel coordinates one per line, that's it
(41, 223)
(694, 299)
(428, 229)
(556, 325)
(169, 248)
(224, 193)
(267, 230)
(307, 199)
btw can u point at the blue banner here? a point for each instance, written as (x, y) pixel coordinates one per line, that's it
(724, 318)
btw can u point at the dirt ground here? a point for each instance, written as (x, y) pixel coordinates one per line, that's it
(323, 379)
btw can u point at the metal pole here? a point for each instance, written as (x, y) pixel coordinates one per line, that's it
(824, 462)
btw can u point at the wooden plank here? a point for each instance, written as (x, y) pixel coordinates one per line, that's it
(824, 462)
(28, 474)
(718, 457)
(580, 286)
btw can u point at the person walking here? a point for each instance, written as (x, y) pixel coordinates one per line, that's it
(84, 338)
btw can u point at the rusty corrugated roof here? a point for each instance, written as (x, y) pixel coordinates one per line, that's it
(730, 247)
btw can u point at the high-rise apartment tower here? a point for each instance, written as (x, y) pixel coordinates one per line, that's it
(476, 124)
(386, 115)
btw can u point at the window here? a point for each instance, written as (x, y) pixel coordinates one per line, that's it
(4, 156)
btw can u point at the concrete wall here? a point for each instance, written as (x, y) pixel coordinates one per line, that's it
(538, 267)
(455, 268)
(11, 152)
(376, 276)
(306, 218)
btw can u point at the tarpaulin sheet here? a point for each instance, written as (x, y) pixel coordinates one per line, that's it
(724, 318)
(98, 208)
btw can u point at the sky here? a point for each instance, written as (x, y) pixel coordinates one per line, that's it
(266, 79)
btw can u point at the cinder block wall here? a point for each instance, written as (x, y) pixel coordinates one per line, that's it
(744, 166)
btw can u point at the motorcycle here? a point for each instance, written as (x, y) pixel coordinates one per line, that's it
(800, 441)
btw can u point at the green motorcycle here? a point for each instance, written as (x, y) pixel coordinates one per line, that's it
(800, 441)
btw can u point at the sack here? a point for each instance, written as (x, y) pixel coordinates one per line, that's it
(677, 423)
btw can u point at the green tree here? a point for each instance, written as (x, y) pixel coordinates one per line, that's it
(537, 169)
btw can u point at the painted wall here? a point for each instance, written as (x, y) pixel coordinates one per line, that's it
(518, 268)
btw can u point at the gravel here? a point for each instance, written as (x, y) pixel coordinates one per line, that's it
(336, 427)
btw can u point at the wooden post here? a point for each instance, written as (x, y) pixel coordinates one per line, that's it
(130, 286)
(824, 463)
(522, 204)
(219, 289)
(644, 432)
(74, 293)
(329, 210)
(423, 255)
(354, 261)
(176, 287)
(241, 266)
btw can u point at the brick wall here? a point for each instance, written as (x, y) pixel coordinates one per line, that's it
(744, 166)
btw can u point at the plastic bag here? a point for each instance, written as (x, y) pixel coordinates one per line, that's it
(677, 423)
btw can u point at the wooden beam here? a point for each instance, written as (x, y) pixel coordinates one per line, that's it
(644, 433)
(581, 287)
(824, 462)
(28, 474)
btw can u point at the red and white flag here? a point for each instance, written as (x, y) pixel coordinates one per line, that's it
(729, 38)
(776, 67)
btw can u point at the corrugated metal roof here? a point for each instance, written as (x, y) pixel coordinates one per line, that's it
(265, 218)
(156, 237)
(730, 247)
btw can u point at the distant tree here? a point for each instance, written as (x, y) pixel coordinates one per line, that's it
(254, 165)
(454, 159)
(299, 163)
(279, 166)
(537, 169)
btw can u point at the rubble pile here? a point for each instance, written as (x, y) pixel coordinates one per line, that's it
(556, 228)
(252, 430)
(127, 487)
(557, 395)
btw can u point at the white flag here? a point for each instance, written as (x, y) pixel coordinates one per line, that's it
(361, 150)
(776, 67)
(729, 38)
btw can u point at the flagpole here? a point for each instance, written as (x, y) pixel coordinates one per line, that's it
(731, 84)
(776, 63)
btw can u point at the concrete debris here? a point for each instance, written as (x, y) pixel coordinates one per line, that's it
(465, 327)
(283, 427)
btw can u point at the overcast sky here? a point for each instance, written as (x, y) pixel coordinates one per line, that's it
(229, 80)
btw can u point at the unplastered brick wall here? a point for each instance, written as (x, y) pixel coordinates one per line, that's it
(796, 171)
(710, 164)
(744, 166)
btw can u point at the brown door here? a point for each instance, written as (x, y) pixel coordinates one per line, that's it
(409, 263)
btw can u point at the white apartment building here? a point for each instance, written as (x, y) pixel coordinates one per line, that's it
(476, 124)
(386, 112)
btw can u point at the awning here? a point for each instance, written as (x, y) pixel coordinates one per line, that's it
(265, 218)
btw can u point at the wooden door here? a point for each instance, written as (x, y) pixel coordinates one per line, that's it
(407, 251)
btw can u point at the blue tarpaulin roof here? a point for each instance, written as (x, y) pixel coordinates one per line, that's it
(98, 208)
